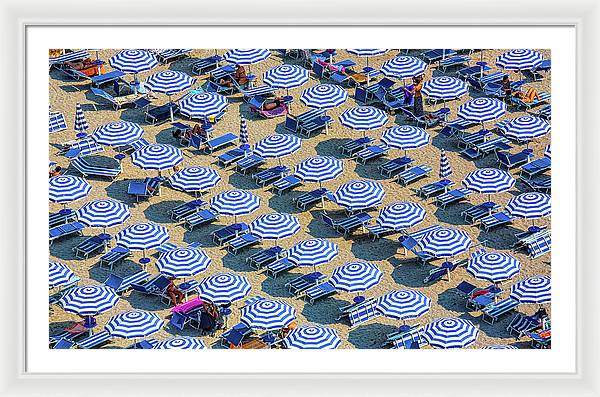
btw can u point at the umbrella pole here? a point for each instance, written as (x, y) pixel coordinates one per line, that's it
(171, 108)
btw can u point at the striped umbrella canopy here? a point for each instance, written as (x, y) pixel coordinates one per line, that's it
(530, 205)
(367, 52)
(142, 236)
(445, 169)
(103, 213)
(520, 59)
(488, 180)
(445, 88)
(65, 188)
(312, 252)
(275, 226)
(450, 333)
(401, 215)
(89, 300)
(277, 145)
(181, 343)
(286, 76)
(501, 347)
(403, 304)
(547, 151)
(195, 179)
(133, 61)
(363, 118)
(445, 242)
(118, 133)
(403, 67)
(246, 56)
(356, 276)
(203, 105)
(319, 169)
(224, 288)
(324, 96)
(183, 262)
(157, 156)
(312, 337)
(243, 131)
(235, 202)
(59, 274)
(81, 124)
(268, 314)
(134, 324)
(360, 194)
(405, 137)
(169, 82)
(70, 56)
(494, 266)
(526, 128)
(532, 290)
(481, 110)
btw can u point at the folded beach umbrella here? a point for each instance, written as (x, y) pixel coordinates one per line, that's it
(224, 288)
(403, 304)
(367, 52)
(547, 151)
(532, 290)
(103, 213)
(133, 61)
(134, 324)
(445, 88)
(450, 333)
(118, 133)
(169, 82)
(319, 169)
(403, 67)
(275, 226)
(500, 347)
(268, 315)
(157, 156)
(356, 195)
(246, 56)
(493, 266)
(363, 118)
(81, 125)
(445, 169)
(286, 76)
(244, 133)
(66, 188)
(195, 179)
(183, 262)
(59, 274)
(235, 202)
(520, 59)
(89, 300)
(312, 337)
(481, 110)
(355, 276)
(142, 236)
(324, 96)
(445, 242)
(401, 215)
(526, 128)
(531, 205)
(181, 343)
(312, 252)
(488, 180)
(277, 146)
(203, 105)
(405, 137)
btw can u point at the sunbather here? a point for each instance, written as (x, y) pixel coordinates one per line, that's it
(415, 90)
(174, 293)
(55, 171)
(529, 96)
(273, 104)
(239, 75)
(84, 64)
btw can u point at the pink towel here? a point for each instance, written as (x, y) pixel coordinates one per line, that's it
(187, 306)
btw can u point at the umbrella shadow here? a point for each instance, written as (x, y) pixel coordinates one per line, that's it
(141, 301)
(370, 171)
(165, 136)
(283, 203)
(202, 234)
(237, 263)
(159, 212)
(118, 190)
(133, 115)
(452, 214)
(378, 250)
(370, 336)
(330, 147)
(451, 300)
(407, 272)
(497, 238)
(241, 181)
(276, 286)
(63, 248)
(318, 229)
(122, 269)
(324, 311)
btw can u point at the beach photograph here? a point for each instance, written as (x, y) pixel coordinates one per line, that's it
(300, 198)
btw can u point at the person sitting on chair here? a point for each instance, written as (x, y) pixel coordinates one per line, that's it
(174, 294)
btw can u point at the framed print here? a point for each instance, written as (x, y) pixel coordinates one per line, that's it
(226, 204)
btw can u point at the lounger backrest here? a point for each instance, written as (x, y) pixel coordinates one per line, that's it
(318, 69)
(360, 94)
(113, 281)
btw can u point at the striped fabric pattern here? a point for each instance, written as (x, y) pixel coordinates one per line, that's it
(70, 57)
(532, 290)
(312, 337)
(118, 133)
(403, 304)
(275, 226)
(445, 169)
(243, 131)
(367, 52)
(520, 59)
(142, 236)
(81, 124)
(482, 109)
(268, 315)
(359, 194)
(319, 169)
(66, 188)
(195, 179)
(134, 324)
(133, 61)
(445, 87)
(525, 128)
(286, 76)
(489, 180)
(450, 333)
(181, 343)
(183, 262)
(103, 213)
(324, 96)
(203, 105)
(277, 145)
(403, 67)
(224, 288)
(312, 252)
(445, 242)
(235, 202)
(363, 118)
(530, 205)
(405, 137)
(169, 82)
(494, 266)
(89, 300)
(246, 56)
(356, 276)
(59, 274)
(401, 215)
(157, 157)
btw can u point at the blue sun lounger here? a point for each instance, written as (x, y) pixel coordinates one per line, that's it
(519, 103)
(235, 335)
(466, 140)
(487, 147)
(410, 242)
(232, 156)
(268, 176)
(493, 312)
(62, 217)
(247, 240)
(437, 54)
(541, 183)
(359, 313)
(123, 284)
(521, 324)
(300, 284)
(201, 217)
(311, 198)
(545, 112)
(285, 184)
(86, 169)
(451, 197)
(473, 71)
(95, 341)
(186, 209)
(229, 232)
(413, 174)
(495, 220)
(351, 147)
(280, 266)
(535, 167)
(89, 246)
(479, 83)
(405, 336)
(99, 80)
(319, 291)
(68, 229)
(249, 163)
(376, 231)
(539, 246)
(394, 166)
(371, 153)
(433, 188)
(456, 60)
(166, 55)
(509, 160)
(536, 72)
(456, 126)
(113, 256)
(145, 189)
(117, 102)
(161, 114)
(56, 122)
(220, 142)
(478, 211)
(205, 65)
(265, 256)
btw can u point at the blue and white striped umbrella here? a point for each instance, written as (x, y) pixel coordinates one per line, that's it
(118, 133)
(246, 56)
(530, 205)
(268, 314)
(277, 145)
(319, 169)
(481, 110)
(81, 124)
(157, 156)
(363, 118)
(181, 343)
(500, 347)
(450, 333)
(286, 76)
(59, 274)
(445, 169)
(405, 137)
(358, 195)
(203, 105)
(488, 180)
(195, 179)
(103, 213)
(312, 337)
(526, 128)
(356, 276)
(224, 288)
(445, 242)
(445, 88)
(313, 252)
(133, 61)
(532, 290)
(401, 215)
(324, 96)
(275, 226)
(169, 82)
(65, 188)
(367, 52)
(243, 131)
(494, 266)
(134, 324)
(142, 236)
(235, 202)
(403, 304)
(89, 300)
(183, 262)
(70, 56)
(548, 151)
(403, 67)
(519, 59)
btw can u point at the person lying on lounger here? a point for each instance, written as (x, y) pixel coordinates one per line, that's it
(273, 104)
(529, 96)
(86, 63)
(55, 171)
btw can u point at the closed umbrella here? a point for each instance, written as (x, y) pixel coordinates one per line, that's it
(81, 125)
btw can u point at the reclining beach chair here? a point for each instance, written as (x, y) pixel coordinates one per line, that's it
(300, 284)
(376, 231)
(537, 72)
(268, 176)
(249, 163)
(201, 217)
(117, 102)
(406, 337)
(161, 114)
(473, 71)
(61, 217)
(157, 285)
(56, 122)
(286, 184)
(247, 240)
(479, 83)
(135, 145)
(491, 313)
(453, 61)
(167, 55)
(487, 147)
(539, 246)
(67, 229)
(314, 125)
(348, 225)
(513, 160)
(359, 313)
(205, 65)
(265, 256)
(282, 265)
(495, 220)
(319, 291)
(495, 90)
(410, 242)
(70, 334)
(521, 324)
(311, 198)
(113, 256)
(123, 284)
(466, 140)
(229, 232)
(431, 56)
(146, 189)
(413, 174)
(220, 142)
(235, 336)
(232, 156)
(392, 167)
(256, 106)
(545, 112)
(454, 127)
(186, 209)
(95, 341)
(88, 247)
(544, 97)
(86, 169)
(451, 197)
(433, 188)
(440, 116)
(371, 153)
(478, 211)
(262, 91)
(98, 80)
(540, 340)
(354, 146)
(438, 273)
(535, 167)
(529, 235)
(541, 183)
